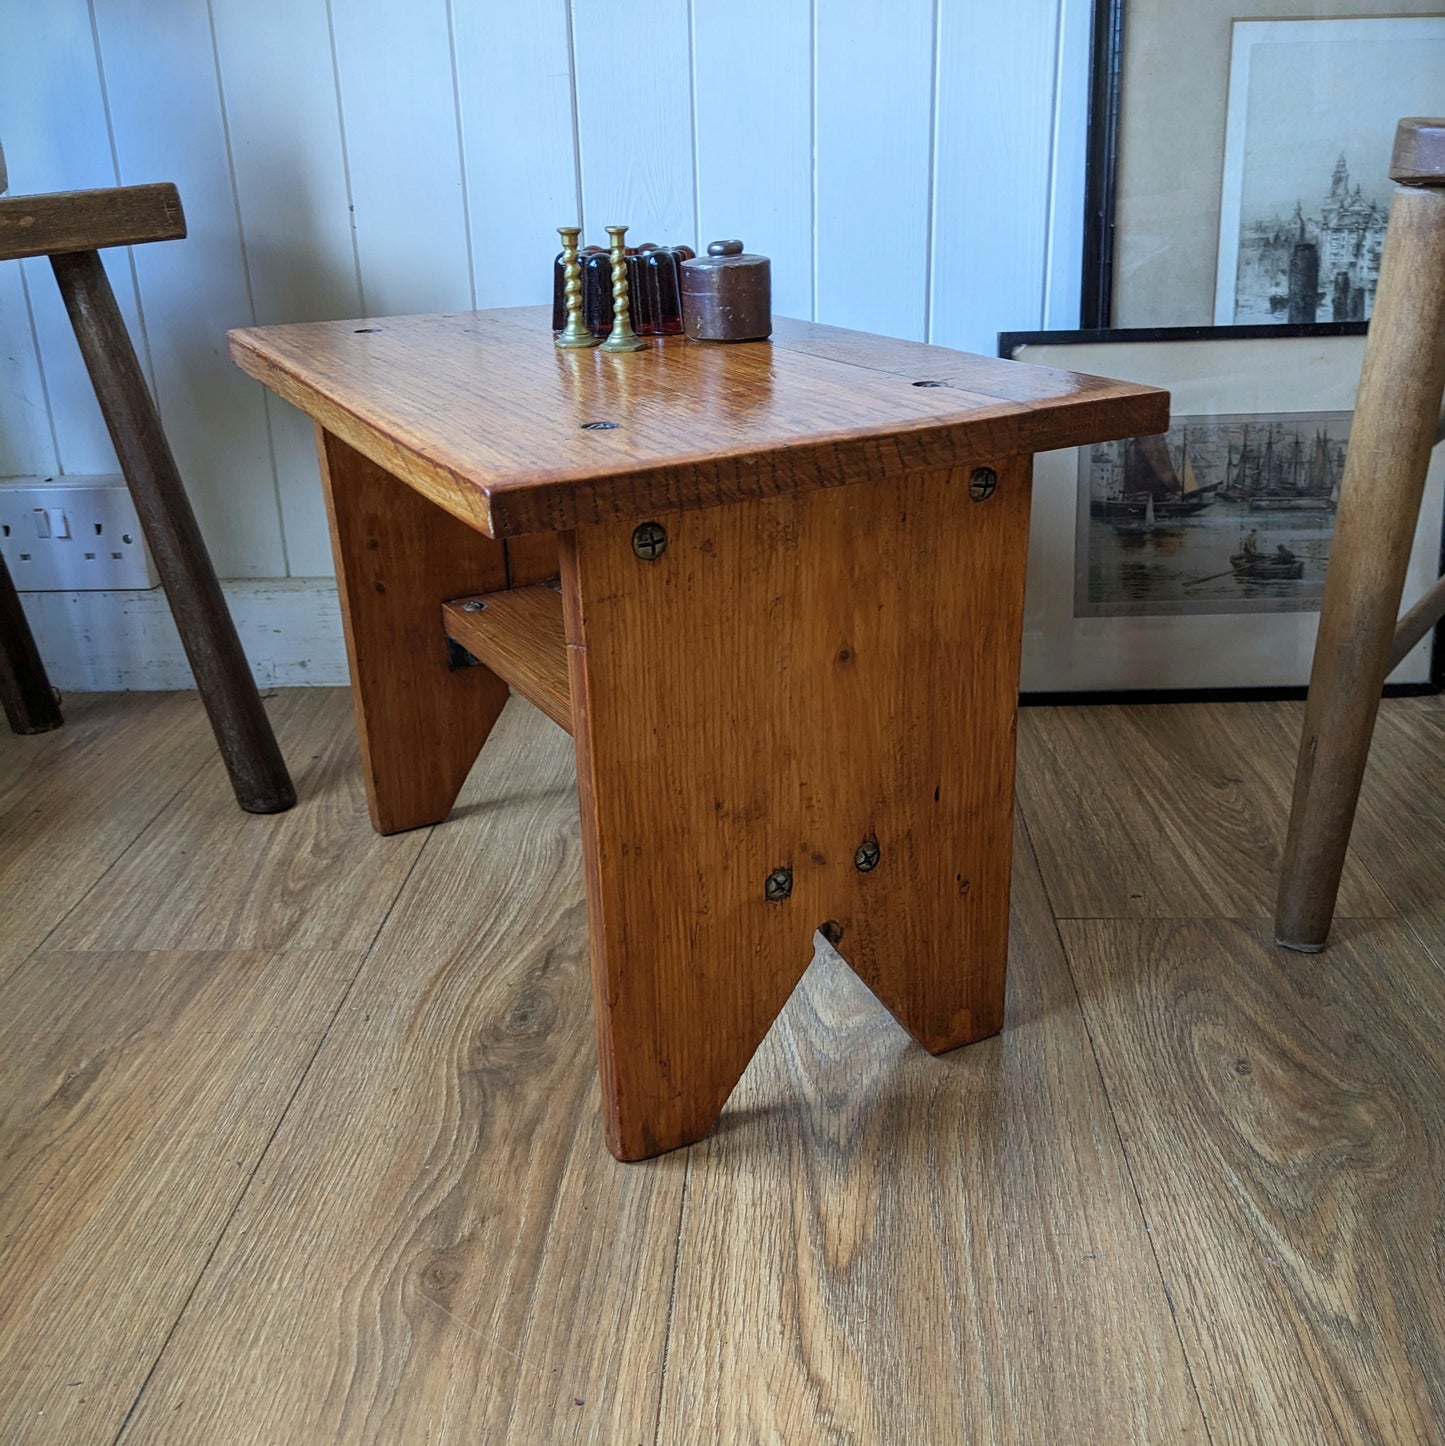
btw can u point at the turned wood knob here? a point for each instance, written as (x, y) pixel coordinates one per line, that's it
(1419, 155)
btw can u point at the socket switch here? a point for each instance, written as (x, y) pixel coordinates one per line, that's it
(72, 534)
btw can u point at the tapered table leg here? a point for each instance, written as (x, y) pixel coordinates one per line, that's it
(223, 676)
(1385, 466)
(422, 720)
(25, 691)
(799, 714)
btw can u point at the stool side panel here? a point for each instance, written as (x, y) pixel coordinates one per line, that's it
(793, 679)
(421, 722)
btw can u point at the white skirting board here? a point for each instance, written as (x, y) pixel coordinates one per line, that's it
(99, 642)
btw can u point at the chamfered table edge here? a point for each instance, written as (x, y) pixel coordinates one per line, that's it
(555, 502)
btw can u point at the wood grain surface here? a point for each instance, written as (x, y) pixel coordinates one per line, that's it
(518, 1289)
(532, 559)
(481, 413)
(64, 221)
(398, 557)
(1400, 826)
(137, 1092)
(72, 801)
(519, 635)
(882, 1247)
(874, 1245)
(1284, 1118)
(1164, 810)
(789, 682)
(206, 876)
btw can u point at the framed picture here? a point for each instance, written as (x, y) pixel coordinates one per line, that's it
(1196, 560)
(1224, 136)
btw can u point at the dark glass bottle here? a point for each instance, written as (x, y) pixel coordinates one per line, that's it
(596, 289)
(656, 285)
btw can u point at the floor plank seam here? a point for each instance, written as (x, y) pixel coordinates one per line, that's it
(1119, 1136)
(325, 1034)
(106, 872)
(1422, 941)
(672, 1301)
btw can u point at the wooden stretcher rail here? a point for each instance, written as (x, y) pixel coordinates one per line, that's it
(63, 221)
(519, 635)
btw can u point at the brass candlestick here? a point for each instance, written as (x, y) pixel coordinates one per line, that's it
(621, 337)
(574, 334)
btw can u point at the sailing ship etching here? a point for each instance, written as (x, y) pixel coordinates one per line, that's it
(1221, 514)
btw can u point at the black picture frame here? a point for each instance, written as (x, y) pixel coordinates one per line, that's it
(1101, 163)
(1123, 34)
(1010, 342)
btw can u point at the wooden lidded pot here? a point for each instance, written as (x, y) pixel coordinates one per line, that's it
(727, 295)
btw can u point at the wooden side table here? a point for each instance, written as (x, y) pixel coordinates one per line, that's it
(775, 592)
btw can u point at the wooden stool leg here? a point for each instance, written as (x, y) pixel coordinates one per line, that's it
(243, 732)
(799, 715)
(1385, 466)
(25, 691)
(398, 558)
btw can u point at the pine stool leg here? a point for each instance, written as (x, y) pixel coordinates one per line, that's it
(243, 732)
(799, 714)
(422, 720)
(1385, 466)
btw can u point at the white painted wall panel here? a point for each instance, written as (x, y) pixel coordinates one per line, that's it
(873, 87)
(1063, 266)
(910, 166)
(165, 112)
(995, 128)
(289, 160)
(752, 83)
(53, 120)
(27, 447)
(634, 115)
(403, 146)
(514, 93)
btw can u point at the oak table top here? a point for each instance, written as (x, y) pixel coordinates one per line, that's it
(479, 412)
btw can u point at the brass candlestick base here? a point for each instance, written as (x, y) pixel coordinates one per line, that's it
(621, 337)
(574, 334)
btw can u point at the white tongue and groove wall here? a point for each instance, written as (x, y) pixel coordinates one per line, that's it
(913, 167)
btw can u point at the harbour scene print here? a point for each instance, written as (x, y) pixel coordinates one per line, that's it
(1222, 514)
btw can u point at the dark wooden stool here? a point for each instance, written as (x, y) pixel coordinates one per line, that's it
(70, 228)
(1397, 421)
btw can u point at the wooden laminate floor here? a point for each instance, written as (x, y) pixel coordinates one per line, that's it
(299, 1139)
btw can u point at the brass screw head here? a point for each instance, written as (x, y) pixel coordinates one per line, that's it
(982, 483)
(778, 885)
(649, 541)
(867, 856)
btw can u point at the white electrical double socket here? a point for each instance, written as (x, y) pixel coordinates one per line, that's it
(72, 534)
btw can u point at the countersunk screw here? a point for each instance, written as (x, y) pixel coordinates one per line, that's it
(649, 541)
(866, 859)
(982, 483)
(779, 885)
(475, 605)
